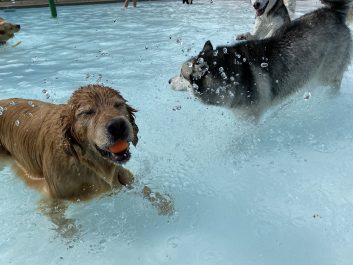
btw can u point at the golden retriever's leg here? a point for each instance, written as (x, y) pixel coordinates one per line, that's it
(163, 203)
(37, 183)
(55, 210)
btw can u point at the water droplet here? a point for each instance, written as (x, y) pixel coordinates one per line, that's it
(214, 63)
(13, 103)
(221, 70)
(307, 95)
(189, 64)
(200, 60)
(244, 60)
(223, 75)
(176, 108)
(46, 93)
(232, 78)
(276, 81)
(263, 65)
(17, 123)
(225, 50)
(173, 242)
(31, 104)
(215, 53)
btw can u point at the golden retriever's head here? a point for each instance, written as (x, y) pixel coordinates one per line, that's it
(7, 30)
(96, 118)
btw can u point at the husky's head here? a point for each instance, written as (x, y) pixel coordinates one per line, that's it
(262, 6)
(206, 76)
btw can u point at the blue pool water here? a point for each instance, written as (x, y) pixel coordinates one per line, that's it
(278, 192)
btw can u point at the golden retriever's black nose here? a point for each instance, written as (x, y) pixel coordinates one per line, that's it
(118, 129)
(18, 26)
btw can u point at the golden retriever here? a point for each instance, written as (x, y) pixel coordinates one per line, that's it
(64, 150)
(7, 30)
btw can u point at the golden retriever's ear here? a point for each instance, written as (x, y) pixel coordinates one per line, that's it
(132, 111)
(66, 127)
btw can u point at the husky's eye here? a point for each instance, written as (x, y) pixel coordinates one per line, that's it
(200, 60)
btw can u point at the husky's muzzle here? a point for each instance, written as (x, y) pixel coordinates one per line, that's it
(260, 7)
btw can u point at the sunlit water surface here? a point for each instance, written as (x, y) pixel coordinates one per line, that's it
(278, 192)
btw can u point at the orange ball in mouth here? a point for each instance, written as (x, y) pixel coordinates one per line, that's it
(119, 147)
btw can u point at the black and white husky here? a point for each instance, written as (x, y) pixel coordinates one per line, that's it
(270, 16)
(252, 75)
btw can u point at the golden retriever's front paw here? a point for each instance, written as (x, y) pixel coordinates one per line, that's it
(123, 177)
(162, 202)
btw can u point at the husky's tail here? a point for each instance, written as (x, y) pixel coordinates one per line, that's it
(341, 7)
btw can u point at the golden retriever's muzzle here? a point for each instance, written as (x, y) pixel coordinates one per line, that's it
(118, 129)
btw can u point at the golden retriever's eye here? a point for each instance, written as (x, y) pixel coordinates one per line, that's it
(87, 112)
(118, 104)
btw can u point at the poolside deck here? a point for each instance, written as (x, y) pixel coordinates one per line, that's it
(43, 3)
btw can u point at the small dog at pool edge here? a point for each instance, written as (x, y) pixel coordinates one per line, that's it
(7, 30)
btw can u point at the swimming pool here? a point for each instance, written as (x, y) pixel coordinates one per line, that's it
(279, 192)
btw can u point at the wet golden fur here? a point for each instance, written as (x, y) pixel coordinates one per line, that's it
(7, 30)
(54, 144)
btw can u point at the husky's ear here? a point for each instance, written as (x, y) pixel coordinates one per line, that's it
(207, 47)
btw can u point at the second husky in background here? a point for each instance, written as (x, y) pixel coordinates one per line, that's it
(270, 16)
